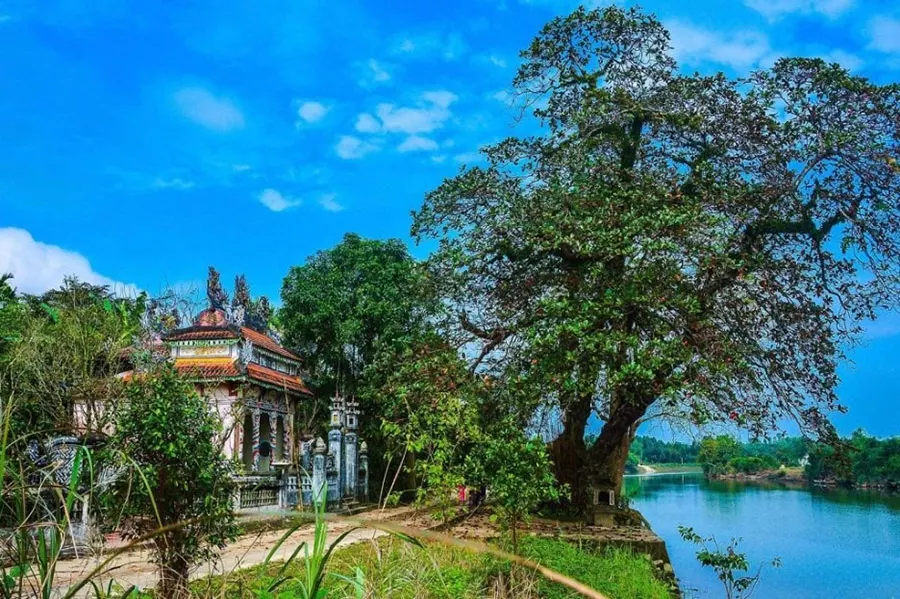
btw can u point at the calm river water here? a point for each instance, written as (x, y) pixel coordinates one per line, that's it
(832, 543)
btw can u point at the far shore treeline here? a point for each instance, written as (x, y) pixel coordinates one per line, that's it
(858, 460)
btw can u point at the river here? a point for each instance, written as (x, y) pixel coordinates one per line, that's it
(832, 543)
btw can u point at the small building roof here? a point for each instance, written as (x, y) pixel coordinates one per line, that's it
(211, 325)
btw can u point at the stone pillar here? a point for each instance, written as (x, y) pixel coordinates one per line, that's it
(319, 483)
(254, 467)
(333, 480)
(334, 448)
(363, 491)
(350, 464)
(287, 438)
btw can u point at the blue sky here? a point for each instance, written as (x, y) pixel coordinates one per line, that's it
(141, 142)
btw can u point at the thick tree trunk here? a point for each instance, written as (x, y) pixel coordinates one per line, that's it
(569, 453)
(609, 454)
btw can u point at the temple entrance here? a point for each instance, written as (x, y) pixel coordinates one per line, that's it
(279, 439)
(265, 443)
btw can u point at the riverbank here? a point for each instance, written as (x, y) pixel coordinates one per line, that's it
(673, 468)
(786, 475)
(796, 476)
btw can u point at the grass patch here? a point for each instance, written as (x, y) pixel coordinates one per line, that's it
(393, 568)
(618, 573)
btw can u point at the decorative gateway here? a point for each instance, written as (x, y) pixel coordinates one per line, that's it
(256, 388)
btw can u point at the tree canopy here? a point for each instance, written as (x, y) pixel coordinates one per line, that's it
(64, 348)
(702, 244)
(346, 303)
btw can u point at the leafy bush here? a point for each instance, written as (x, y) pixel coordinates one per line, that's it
(516, 472)
(180, 491)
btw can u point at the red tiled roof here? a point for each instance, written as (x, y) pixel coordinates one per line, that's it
(207, 370)
(277, 379)
(202, 334)
(266, 342)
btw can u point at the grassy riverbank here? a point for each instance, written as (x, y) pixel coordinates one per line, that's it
(671, 468)
(389, 567)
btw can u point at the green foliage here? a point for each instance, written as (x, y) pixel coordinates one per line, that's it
(341, 311)
(716, 452)
(69, 344)
(650, 450)
(617, 573)
(400, 571)
(431, 411)
(701, 246)
(10, 315)
(179, 491)
(727, 563)
(860, 459)
(751, 465)
(36, 517)
(342, 306)
(516, 472)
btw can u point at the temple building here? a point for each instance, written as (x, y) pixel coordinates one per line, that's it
(255, 385)
(253, 381)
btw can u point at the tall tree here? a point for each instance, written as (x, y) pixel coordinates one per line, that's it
(345, 303)
(346, 306)
(701, 243)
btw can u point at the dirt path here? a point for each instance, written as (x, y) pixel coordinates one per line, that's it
(134, 567)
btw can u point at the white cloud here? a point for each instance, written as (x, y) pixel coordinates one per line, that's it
(174, 183)
(469, 157)
(378, 73)
(847, 60)
(430, 113)
(441, 98)
(885, 34)
(366, 123)
(740, 50)
(38, 267)
(329, 202)
(775, 9)
(497, 61)
(351, 148)
(312, 112)
(433, 45)
(208, 110)
(275, 201)
(501, 96)
(417, 143)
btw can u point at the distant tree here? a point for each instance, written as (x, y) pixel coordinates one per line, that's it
(702, 245)
(182, 486)
(716, 453)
